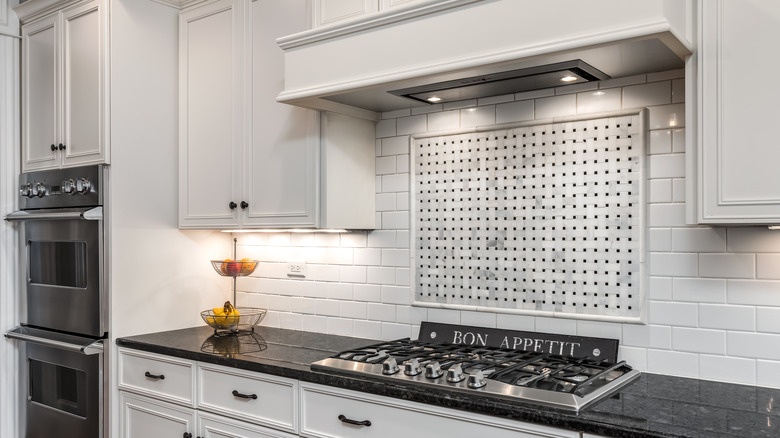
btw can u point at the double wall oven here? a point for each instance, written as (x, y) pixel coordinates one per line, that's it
(62, 224)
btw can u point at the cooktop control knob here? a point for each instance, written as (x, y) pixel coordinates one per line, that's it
(412, 367)
(25, 190)
(69, 186)
(433, 370)
(390, 366)
(476, 380)
(82, 186)
(455, 374)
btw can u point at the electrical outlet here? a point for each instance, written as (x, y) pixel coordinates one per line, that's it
(296, 269)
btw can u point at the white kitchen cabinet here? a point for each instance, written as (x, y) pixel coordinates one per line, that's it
(157, 398)
(733, 145)
(143, 417)
(330, 412)
(64, 86)
(247, 161)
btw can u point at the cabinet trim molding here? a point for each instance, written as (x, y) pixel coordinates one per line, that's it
(369, 21)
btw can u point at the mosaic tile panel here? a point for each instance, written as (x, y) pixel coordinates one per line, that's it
(539, 218)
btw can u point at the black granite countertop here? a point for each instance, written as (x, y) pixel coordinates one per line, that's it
(652, 406)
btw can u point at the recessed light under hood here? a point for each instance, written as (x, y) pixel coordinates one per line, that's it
(508, 82)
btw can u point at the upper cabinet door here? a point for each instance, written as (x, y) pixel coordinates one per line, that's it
(84, 126)
(739, 182)
(281, 167)
(211, 116)
(40, 116)
(64, 88)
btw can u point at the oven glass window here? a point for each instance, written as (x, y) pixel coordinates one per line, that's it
(58, 387)
(58, 263)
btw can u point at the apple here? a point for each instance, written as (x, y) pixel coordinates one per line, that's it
(232, 268)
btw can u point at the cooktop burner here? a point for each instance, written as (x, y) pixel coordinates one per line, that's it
(550, 379)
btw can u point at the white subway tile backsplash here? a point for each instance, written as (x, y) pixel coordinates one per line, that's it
(290, 321)
(443, 121)
(535, 94)
(427, 109)
(678, 140)
(381, 239)
(340, 291)
(386, 128)
(558, 106)
(674, 314)
(492, 100)
(728, 369)
(667, 166)
(368, 292)
(385, 165)
(354, 309)
(666, 215)
(727, 265)
(303, 305)
(368, 329)
(556, 325)
(515, 111)
(446, 316)
(352, 274)
(699, 240)
(395, 257)
(678, 91)
(511, 321)
(385, 201)
(660, 288)
(395, 331)
(395, 145)
(768, 319)
(768, 266)
(699, 290)
(412, 124)
(667, 116)
(599, 101)
(478, 319)
(636, 357)
(699, 340)
(402, 163)
(577, 88)
(661, 141)
(411, 314)
(403, 277)
(328, 307)
(396, 295)
(666, 75)
(674, 265)
(674, 363)
(678, 190)
(368, 256)
(648, 336)
(355, 239)
(478, 116)
(395, 183)
(395, 220)
(396, 114)
(381, 275)
(403, 239)
(660, 191)
(654, 93)
(753, 345)
(659, 239)
(768, 373)
(341, 326)
(458, 104)
(313, 323)
(322, 272)
(598, 329)
(381, 312)
(753, 239)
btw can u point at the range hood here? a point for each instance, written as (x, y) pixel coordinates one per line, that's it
(496, 84)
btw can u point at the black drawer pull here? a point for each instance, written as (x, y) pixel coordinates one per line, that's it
(187, 435)
(152, 376)
(355, 422)
(238, 394)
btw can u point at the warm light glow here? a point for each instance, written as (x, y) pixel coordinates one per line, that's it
(599, 93)
(434, 99)
(774, 227)
(287, 230)
(569, 78)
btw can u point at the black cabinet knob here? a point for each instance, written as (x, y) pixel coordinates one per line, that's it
(61, 147)
(232, 205)
(244, 205)
(53, 147)
(187, 435)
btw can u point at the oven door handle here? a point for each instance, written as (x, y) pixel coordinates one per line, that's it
(95, 347)
(92, 214)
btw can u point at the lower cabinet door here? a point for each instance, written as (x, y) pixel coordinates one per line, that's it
(328, 412)
(142, 417)
(214, 426)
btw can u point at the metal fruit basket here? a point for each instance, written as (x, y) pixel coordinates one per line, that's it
(245, 321)
(234, 268)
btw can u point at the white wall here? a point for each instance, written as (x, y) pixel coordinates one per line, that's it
(713, 293)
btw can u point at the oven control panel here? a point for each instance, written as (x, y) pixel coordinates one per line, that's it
(60, 188)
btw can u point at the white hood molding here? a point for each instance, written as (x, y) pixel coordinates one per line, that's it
(349, 68)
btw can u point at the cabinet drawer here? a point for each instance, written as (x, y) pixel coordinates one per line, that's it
(258, 398)
(322, 409)
(158, 376)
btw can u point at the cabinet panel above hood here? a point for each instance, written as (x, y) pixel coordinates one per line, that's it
(352, 68)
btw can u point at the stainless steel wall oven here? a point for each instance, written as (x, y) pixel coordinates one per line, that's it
(62, 225)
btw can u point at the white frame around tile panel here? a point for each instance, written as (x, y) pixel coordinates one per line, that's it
(643, 115)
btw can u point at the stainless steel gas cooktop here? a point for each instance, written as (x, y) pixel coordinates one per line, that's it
(540, 377)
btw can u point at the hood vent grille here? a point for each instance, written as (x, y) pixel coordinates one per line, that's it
(508, 82)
